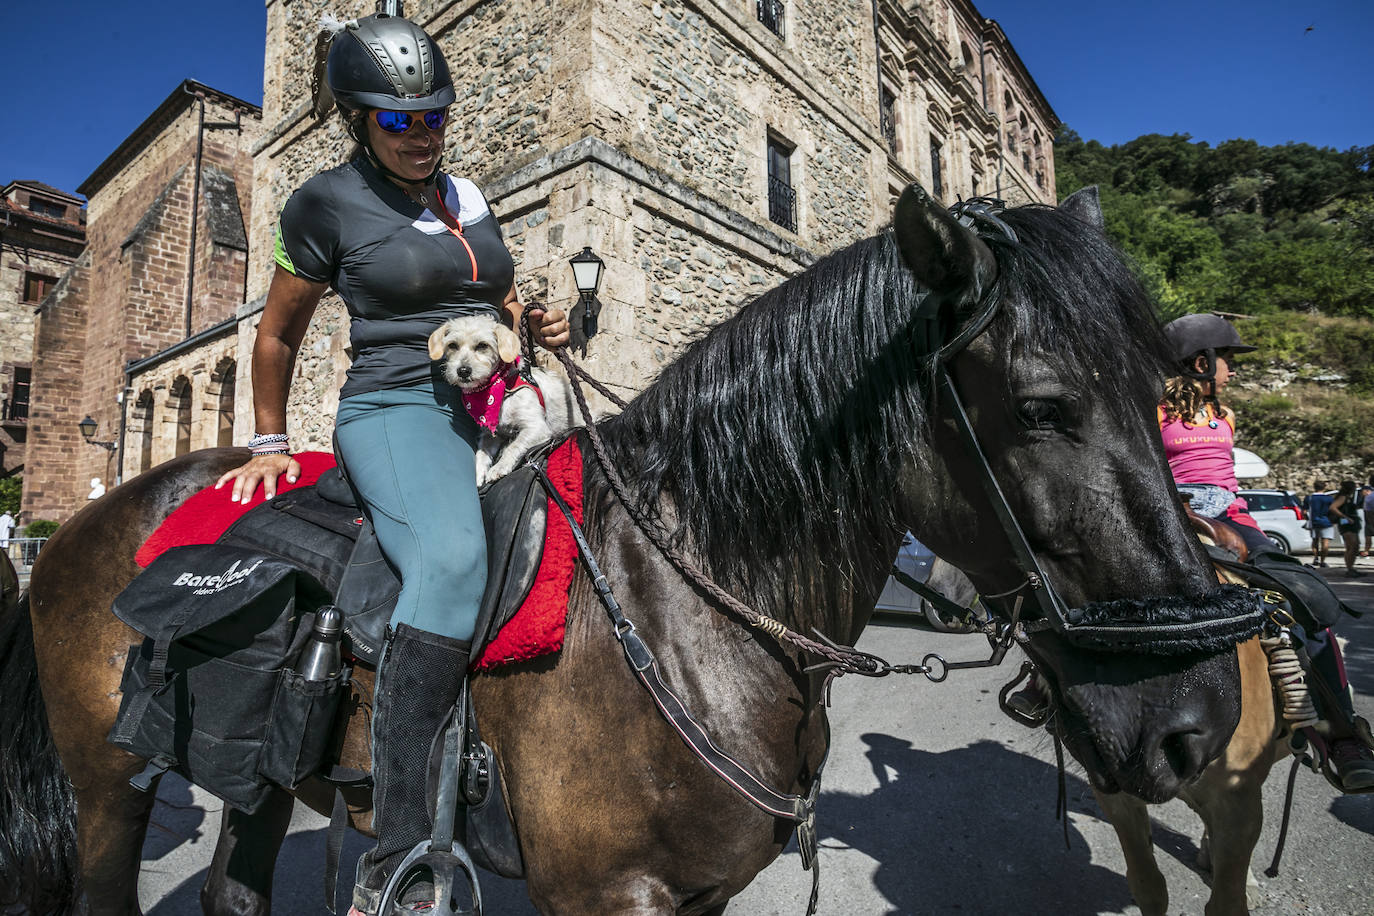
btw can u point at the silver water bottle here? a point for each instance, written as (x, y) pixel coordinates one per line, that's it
(320, 659)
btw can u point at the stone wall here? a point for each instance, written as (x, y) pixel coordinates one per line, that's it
(182, 403)
(55, 476)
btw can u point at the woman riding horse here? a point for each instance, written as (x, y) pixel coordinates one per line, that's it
(1199, 433)
(406, 247)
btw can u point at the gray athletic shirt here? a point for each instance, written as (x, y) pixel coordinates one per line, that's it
(400, 270)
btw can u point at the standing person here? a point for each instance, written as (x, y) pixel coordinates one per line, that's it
(1345, 513)
(406, 247)
(1198, 433)
(1367, 503)
(6, 528)
(1317, 505)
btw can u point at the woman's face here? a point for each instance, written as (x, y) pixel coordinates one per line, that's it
(411, 155)
(1224, 371)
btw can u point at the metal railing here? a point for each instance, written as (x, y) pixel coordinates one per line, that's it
(22, 551)
(14, 411)
(771, 15)
(887, 112)
(782, 203)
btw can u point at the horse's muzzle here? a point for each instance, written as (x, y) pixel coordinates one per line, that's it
(1142, 724)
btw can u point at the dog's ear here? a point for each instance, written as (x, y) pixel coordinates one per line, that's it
(507, 344)
(436, 343)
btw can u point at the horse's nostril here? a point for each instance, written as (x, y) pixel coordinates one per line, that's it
(1185, 752)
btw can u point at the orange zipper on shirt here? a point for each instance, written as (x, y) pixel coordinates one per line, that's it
(458, 233)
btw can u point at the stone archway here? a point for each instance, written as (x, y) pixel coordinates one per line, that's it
(140, 433)
(179, 414)
(220, 400)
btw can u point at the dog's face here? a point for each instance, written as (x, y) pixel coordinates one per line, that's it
(472, 348)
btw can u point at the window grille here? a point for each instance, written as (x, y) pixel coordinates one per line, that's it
(16, 406)
(782, 197)
(888, 117)
(937, 187)
(771, 15)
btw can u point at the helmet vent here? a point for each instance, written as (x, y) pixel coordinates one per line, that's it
(404, 49)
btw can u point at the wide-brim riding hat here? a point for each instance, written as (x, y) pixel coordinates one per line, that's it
(1193, 334)
(388, 62)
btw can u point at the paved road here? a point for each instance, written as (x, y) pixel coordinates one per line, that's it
(934, 803)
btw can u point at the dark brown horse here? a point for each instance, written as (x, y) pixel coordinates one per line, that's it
(790, 448)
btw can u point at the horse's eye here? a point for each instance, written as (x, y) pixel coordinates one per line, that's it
(1042, 414)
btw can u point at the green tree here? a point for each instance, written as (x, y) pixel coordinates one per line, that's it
(10, 490)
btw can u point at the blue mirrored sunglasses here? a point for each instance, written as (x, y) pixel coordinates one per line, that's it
(398, 122)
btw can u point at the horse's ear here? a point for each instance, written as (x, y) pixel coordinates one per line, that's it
(1085, 205)
(945, 256)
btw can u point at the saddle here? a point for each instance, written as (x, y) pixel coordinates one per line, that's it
(321, 530)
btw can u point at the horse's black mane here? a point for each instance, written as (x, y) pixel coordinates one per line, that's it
(776, 437)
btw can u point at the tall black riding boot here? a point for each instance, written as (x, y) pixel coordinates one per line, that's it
(1354, 762)
(417, 686)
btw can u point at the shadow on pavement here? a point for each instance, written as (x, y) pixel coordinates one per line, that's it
(298, 885)
(974, 825)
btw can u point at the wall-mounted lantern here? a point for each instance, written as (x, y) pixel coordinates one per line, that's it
(587, 269)
(88, 427)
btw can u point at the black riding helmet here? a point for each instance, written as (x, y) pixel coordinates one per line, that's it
(1202, 335)
(388, 62)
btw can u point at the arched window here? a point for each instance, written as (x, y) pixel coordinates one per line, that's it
(179, 407)
(967, 54)
(222, 385)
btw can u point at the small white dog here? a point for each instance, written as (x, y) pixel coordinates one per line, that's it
(482, 358)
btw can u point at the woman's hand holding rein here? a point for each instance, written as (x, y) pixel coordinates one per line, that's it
(550, 329)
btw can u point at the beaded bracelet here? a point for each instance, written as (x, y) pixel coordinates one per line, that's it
(270, 444)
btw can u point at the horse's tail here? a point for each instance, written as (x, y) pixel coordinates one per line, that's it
(38, 870)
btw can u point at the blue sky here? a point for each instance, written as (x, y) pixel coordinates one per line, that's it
(82, 75)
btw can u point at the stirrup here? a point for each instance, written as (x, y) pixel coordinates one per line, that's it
(443, 854)
(445, 865)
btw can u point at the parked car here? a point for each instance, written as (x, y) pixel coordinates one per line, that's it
(1280, 516)
(917, 561)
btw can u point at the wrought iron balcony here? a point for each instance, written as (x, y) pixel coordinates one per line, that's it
(771, 15)
(782, 203)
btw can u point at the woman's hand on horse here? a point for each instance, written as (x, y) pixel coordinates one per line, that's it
(264, 469)
(550, 329)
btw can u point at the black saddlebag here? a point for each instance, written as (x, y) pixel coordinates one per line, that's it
(210, 693)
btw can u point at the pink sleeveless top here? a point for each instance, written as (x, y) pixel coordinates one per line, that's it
(1200, 454)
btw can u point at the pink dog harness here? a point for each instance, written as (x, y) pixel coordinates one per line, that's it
(484, 404)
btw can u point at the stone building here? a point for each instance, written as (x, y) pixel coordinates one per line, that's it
(705, 151)
(42, 230)
(163, 271)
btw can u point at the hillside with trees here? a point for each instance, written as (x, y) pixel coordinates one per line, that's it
(1283, 235)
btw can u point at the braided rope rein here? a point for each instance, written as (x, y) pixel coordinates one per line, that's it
(838, 659)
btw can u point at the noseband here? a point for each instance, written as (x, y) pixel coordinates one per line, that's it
(1165, 625)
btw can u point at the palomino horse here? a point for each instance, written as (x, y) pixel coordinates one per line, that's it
(1228, 794)
(789, 450)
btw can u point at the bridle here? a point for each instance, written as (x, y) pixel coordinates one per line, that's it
(1159, 626)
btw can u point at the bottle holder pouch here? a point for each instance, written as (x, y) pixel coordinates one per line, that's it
(301, 727)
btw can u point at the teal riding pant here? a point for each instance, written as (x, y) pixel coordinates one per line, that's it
(410, 454)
